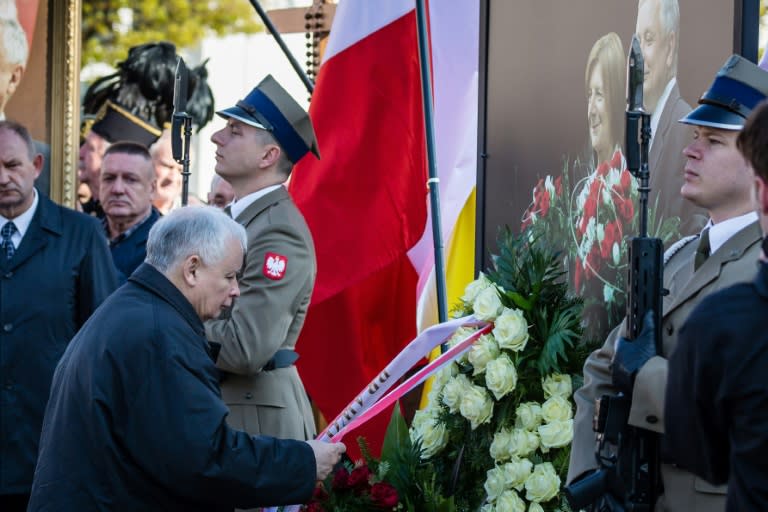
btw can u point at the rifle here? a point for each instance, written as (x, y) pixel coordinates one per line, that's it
(628, 476)
(181, 126)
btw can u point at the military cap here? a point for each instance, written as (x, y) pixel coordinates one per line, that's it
(738, 87)
(269, 107)
(115, 123)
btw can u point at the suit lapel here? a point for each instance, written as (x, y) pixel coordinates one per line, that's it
(731, 250)
(46, 220)
(664, 123)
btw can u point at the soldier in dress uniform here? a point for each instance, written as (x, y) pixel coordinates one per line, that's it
(265, 135)
(719, 180)
(717, 398)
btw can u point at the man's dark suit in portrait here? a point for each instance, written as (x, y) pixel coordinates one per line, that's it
(55, 270)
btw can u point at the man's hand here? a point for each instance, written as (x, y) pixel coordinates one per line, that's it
(631, 355)
(326, 456)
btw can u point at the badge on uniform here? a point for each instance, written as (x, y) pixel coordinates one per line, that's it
(275, 265)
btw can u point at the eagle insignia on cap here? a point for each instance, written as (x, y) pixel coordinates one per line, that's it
(275, 265)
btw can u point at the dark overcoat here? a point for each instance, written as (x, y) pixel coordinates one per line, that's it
(717, 394)
(129, 252)
(58, 276)
(136, 421)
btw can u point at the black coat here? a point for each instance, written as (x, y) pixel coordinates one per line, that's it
(58, 276)
(136, 422)
(129, 252)
(717, 394)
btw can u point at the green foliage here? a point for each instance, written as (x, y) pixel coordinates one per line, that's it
(106, 37)
(529, 273)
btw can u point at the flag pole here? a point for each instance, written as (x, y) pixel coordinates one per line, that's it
(433, 182)
(276, 34)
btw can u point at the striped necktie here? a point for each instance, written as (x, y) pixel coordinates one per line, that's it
(6, 244)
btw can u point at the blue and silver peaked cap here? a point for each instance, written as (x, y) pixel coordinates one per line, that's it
(738, 87)
(269, 107)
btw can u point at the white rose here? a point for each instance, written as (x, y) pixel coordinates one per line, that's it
(528, 416)
(488, 507)
(500, 445)
(616, 253)
(453, 390)
(432, 434)
(511, 330)
(474, 288)
(522, 442)
(557, 384)
(535, 507)
(484, 350)
(555, 434)
(556, 408)
(494, 483)
(500, 376)
(476, 406)
(543, 484)
(487, 304)
(517, 472)
(458, 335)
(509, 501)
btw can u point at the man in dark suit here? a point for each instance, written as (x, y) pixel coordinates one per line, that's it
(717, 397)
(658, 25)
(55, 270)
(127, 184)
(718, 179)
(136, 421)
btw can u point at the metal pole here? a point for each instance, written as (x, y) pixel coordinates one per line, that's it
(272, 30)
(434, 181)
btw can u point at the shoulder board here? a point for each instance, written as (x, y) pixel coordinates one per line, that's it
(675, 248)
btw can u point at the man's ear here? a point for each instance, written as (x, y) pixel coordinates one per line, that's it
(13, 83)
(671, 50)
(190, 269)
(38, 162)
(271, 155)
(762, 195)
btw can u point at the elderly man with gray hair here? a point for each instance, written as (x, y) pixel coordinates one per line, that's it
(135, 420)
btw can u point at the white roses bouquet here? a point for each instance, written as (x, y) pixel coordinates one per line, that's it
(499, 422)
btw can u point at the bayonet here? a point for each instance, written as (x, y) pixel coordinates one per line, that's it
(180, 89)
(635, 72)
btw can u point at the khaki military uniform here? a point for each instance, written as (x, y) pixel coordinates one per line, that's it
(734, 262)
(275, 290)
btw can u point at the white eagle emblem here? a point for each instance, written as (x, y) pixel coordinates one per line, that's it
(275, 265)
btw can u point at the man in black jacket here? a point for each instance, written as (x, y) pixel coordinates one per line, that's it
(55, 270)
(716, 405)
(136, 421)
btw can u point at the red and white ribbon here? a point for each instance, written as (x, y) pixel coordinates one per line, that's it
(374, 397)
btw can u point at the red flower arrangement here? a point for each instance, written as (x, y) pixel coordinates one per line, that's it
(355, 487)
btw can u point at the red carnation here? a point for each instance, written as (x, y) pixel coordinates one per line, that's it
(602, 169)
(626, 180)
(359, 477)
(616, 160)
(384, 495)
(626, 208)
(577, 275)
(340, 479)
(559, 185)
(545, 202)
(314, 507)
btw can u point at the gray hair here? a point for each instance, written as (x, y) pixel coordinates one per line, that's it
(201, 230)
(669, 17)
(14, 38)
